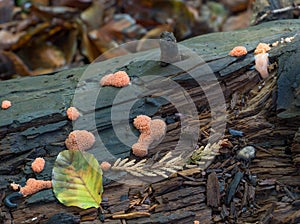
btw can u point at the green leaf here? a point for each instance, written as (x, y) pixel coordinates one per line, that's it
(77, 179)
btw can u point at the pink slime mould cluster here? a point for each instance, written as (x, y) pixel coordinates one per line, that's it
(117, 79)
(5, 104)
(80, 140)
(72, 113)
(38, 165)
(32, 185)
(152, 131)
(262, 59)
(105, 166)
(238, 51)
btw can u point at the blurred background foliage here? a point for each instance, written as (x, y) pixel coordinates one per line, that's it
(43, 36)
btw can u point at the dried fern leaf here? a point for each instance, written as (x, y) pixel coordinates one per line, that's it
(123, 162)
(130, 163)
(117, 162)
(148, 173)
(134, 173)
(161, 173)
(177, 167)
(140, 163)
(169, 169)
(167, 156)
(174, 160)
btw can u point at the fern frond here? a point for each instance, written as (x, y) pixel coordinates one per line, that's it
(167, 165)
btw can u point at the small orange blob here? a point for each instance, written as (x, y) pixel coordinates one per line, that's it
(238, 51)
(72, 113)
(142, 123)
(262, 48)
(32, 186)
(38, 165)
(80, 140)
(105, 166)
(196, 222)
(139, 149)
(118, 79)
(5, 104)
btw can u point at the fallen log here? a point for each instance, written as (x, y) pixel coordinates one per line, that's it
(267, 112)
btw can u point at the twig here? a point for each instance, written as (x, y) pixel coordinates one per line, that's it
(277, 11)
(131, 215)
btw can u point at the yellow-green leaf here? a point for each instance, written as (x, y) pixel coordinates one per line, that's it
(77, 179)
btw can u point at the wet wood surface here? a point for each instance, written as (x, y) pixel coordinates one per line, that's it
(265, 189)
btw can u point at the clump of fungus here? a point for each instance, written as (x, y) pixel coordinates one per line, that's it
(238, 51)
(106, 80)
(262, 48)
(38, 165)
(142, 123)
(5, 104)
(118, 79)
(139, 149)
(32, 186)
(15, 186)
(105, 166)
(262, 59)
(80, 140)
(289, 39)
(157, 129)
(261, 64)
(152, 132)
(72, 113)
(275, 44)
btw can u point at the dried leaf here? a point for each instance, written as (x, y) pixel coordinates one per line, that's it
(29, 34)
(7, 38)
(87, 46)
(47, 12)
(44, 56)
(93, 16)
(80, 4)
(19, 65)
(153, 13)
(68, 44)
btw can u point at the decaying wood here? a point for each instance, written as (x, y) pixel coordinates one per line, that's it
(264, 190)
(213, 190)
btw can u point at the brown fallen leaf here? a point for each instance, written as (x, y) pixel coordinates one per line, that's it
(239, 21)
(43, 56)
(87, 47)
(153, 34)
(49, 12)
(8, 38)
(93, 16)
(153, 13)
(24, 39)
(19, 65)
